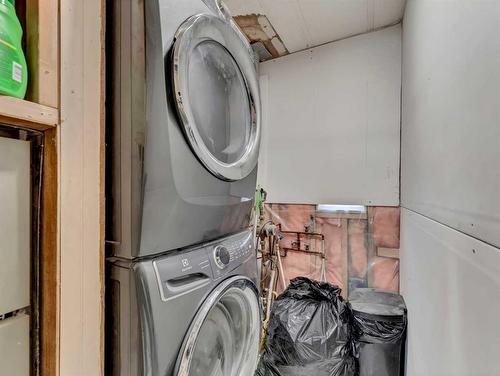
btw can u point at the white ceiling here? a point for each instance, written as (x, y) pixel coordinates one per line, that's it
(302, 24)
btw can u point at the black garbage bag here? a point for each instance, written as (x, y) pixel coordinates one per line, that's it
(309, 333)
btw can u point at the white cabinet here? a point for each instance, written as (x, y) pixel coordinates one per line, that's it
(15, 346)
(15, 228)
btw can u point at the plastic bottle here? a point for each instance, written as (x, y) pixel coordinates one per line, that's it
(13, 69)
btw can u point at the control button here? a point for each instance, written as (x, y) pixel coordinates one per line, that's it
(221, 256)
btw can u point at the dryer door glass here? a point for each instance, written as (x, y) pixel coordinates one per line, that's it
(219, 101)
(224, 337)
(216, 92)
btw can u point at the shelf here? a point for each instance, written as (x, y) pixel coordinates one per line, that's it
(21, 113)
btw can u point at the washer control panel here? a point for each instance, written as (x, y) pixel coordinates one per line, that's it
(231, 252)
(192, 268)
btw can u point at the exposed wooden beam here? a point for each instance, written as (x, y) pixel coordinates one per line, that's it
(388, 252)
(345, 256)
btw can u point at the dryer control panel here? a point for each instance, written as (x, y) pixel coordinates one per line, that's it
(186, 270)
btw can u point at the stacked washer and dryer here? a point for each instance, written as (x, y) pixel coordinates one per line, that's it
(182, 295)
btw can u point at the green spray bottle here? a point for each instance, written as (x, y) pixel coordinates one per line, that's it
(13, 69)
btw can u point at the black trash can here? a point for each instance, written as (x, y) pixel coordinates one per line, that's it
(380, 322)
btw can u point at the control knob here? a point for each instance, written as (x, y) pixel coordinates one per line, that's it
(221, 256)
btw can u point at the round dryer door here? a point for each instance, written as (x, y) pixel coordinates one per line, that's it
(217, 95)
(223, 339)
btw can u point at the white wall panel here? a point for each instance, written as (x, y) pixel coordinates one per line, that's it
(331, 118)
(15, 346)
(451, 284)
(451, 114)
(15, 225)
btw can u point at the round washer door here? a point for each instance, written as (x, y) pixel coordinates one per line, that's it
(217, 95)
(223, 339)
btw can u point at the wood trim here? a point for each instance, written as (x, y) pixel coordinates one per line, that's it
(102, 178)
(42, 44)
(21, 113)
(82, 187)
(49, 257)
(42, 53)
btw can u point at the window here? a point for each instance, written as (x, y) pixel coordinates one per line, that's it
(341, 209)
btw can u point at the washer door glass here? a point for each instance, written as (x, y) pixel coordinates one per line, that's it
(217, 96)
(223, 339)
